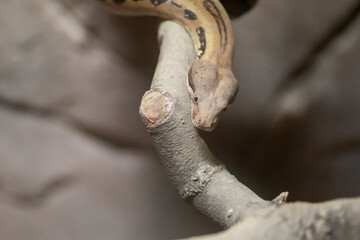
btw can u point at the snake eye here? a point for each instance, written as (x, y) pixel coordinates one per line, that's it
(196, 99)
(224, 109)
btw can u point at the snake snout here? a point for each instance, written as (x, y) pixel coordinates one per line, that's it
(206, 123)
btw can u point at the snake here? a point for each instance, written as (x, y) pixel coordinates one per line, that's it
(211, 83)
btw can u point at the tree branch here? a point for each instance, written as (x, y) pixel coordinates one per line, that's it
(197, 175)
(333, 220)
(204, 182)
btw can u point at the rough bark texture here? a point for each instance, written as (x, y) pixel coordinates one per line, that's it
(197, 175)
(204, 181)
(335, 220)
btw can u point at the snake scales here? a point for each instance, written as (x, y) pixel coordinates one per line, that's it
(211, 82)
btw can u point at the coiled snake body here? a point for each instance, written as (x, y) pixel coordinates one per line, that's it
(212, 85)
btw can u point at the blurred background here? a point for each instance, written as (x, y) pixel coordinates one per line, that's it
(76, 161)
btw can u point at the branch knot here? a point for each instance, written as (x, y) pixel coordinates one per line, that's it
(156, 107)
(199, 180)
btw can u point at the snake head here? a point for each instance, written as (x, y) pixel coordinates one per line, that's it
(211, 90)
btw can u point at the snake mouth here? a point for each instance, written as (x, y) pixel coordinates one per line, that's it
(205, 123)
(205, 127)
(209, 128)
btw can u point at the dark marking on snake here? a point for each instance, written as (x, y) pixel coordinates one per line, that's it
(201, 33)
(176, 4)
(189, 15)
(157, 2)
(215, 12)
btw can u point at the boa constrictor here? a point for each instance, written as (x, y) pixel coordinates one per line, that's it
(211, 82)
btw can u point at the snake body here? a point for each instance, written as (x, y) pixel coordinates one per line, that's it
(211, 82)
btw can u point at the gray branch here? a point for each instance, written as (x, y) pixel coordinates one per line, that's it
(198, 176)
(334, 220)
